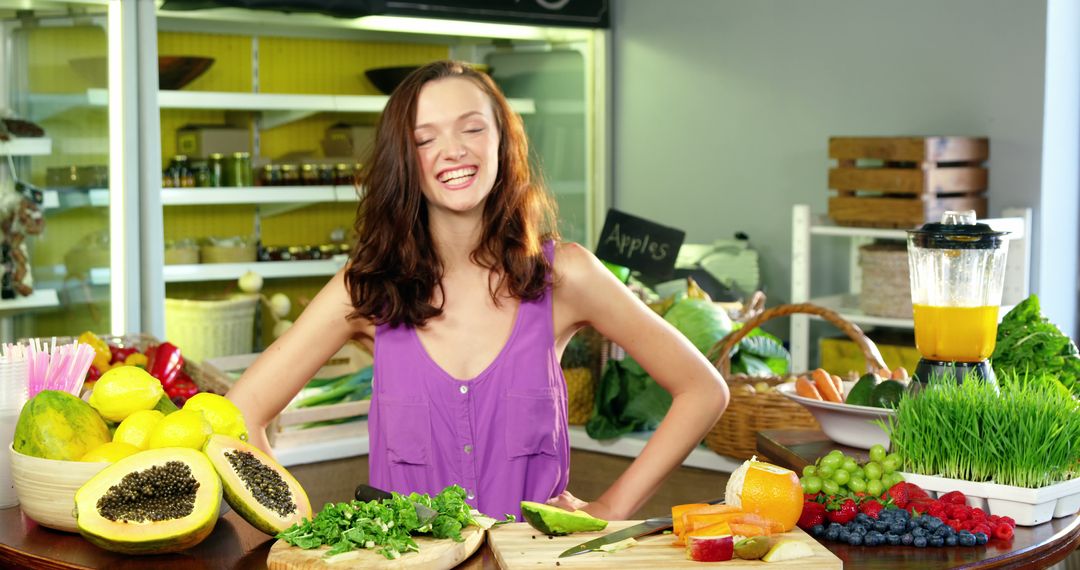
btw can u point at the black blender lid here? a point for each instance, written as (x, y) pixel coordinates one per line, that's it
(956, 230)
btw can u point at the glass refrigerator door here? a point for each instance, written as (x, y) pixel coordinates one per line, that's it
(60, 197)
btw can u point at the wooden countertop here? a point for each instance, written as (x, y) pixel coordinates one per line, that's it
(1031, 547)
(234, 544)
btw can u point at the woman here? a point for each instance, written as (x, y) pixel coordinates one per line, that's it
(460, 285)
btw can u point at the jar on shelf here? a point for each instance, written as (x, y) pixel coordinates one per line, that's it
(178, 174)
(238, 170)
(201, 173)
(270, 175)
(215, 163)
(299, 253)
(343, 175)
(289, 175)
(326, 175)
(309, 176)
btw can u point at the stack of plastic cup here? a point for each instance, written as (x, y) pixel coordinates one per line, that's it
(13, 379)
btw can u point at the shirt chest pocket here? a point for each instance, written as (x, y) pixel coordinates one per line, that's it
(408, 431)
(532, 422)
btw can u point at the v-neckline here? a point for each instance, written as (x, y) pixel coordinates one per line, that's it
(498, 356)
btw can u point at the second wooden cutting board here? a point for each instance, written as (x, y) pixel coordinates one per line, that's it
(434, 555)
(520, 546)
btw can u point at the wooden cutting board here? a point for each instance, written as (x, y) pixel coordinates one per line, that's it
(435, 554)
(520, 546)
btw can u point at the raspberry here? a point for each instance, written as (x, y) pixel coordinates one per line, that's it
(1003, 531)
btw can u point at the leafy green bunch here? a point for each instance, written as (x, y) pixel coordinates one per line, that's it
(388, 525)
(1029, 344)
(1023, 432)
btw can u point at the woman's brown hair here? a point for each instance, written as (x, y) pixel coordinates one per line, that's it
(394, 269)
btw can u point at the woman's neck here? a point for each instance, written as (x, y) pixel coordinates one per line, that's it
(455, 237)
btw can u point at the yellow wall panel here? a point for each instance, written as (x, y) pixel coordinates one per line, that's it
(206, 221)
(335, 67)
(231, 70)
(50, 51)
(308, 226)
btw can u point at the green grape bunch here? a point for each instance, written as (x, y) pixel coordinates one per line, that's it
(839, 474)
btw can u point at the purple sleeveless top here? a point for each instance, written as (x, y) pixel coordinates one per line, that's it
(502, 435)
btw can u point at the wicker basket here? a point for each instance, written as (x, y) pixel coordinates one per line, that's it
(749, 412)
(203, 378)
(886, 286)
(207, 329)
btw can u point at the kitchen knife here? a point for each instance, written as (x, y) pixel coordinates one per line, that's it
(366, 493)
(647, 527)
(644, 528)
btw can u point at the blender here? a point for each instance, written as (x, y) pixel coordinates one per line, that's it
(957, 273)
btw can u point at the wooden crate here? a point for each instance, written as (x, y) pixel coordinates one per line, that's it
(282, 431)
(902, 182)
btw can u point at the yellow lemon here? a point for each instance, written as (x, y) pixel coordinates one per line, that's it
(224, 417)
(136, 428)
(109, 452)
(124, 390)
(186, 428)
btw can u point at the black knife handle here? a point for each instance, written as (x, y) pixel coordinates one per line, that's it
(365, 493)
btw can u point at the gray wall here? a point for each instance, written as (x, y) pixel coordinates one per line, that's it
(723, 108)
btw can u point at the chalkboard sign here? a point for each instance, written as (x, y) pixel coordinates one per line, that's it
(639, 244)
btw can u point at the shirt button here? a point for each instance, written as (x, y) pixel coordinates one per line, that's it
(468, 449)
(464, 389)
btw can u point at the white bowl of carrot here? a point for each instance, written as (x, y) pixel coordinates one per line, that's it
(846, 424)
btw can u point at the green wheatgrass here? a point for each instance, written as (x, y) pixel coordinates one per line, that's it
(1024, 432)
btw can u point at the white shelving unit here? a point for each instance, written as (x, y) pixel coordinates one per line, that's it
(36, 146)
(230, 271)
(39, 299)
(276, 108)
(99, 197)
(805, 226)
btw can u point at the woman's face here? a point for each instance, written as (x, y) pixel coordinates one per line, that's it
(457, 141)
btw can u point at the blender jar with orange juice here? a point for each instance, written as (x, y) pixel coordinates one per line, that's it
(957, 273)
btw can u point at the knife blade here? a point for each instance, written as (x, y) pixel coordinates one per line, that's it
(366, 493)
(647, 527)
(644, 528)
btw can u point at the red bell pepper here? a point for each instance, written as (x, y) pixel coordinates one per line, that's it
(180, 390)
(119, 354)
(164, 363)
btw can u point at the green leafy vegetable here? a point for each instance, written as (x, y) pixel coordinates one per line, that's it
(627, 400)
(388, 525)
(1028, 343)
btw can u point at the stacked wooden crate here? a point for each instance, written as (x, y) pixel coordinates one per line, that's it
(903, 182)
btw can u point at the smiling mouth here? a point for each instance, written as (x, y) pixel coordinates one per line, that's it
(457, 175)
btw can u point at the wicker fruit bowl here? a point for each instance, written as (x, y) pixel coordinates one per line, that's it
(751, 411)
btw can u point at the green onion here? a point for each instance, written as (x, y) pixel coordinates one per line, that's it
(1024, 432)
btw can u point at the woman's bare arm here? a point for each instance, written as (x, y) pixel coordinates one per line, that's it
(588, 294)
(272, 381)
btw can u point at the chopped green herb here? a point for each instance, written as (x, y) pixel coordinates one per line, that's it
(388, 525)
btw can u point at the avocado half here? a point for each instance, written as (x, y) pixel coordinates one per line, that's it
(557, 522)
(256, 486)
(161, 500)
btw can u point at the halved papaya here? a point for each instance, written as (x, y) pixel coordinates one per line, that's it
(161, 500)
(256, 486)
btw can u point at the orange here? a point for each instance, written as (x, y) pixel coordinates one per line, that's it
(768, 490)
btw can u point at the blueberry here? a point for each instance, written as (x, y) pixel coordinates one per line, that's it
(863, 518)
(901, 514)
(937, 541)
(833, 534)
(837, 526)
(919, 531)
(932, 523)
(855, 540)
(856, 528)
(951, 540)
(967, 539)
(874, 540)
(843, 535)
(943, 531)
(919, 542)
(912, 525)
(817, 530)
(881, 526)
(897, 527)
(981, 538)
(906, 539)
(893, 539)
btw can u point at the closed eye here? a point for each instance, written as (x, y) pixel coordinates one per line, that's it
(476, 130)
(423, 142)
